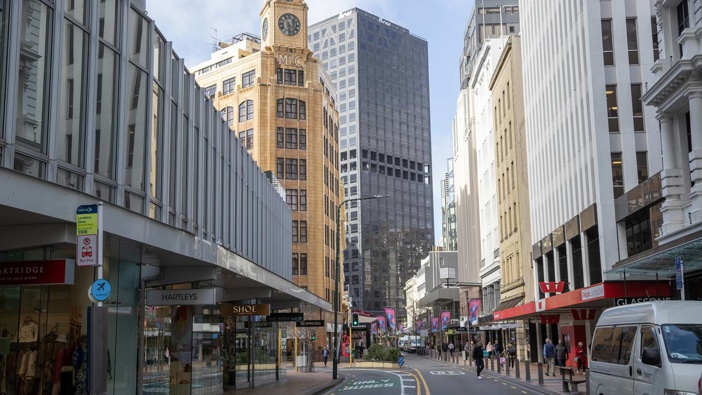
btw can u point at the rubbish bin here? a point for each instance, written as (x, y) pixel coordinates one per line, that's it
(355, 353)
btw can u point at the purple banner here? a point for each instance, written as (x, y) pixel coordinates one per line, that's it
(381, 323)
(419, 326)
(390, 313)
(434, 324)
(474, 309)
(374, 328)
(445, 319)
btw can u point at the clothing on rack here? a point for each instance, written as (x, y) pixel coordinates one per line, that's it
(29, 331)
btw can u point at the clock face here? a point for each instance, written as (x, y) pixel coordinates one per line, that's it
(265, 29)
(289, 24)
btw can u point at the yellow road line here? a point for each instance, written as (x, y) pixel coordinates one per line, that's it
(426, 387)
(416, 381)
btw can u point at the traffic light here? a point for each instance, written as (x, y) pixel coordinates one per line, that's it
(355, 319)
(314, 336)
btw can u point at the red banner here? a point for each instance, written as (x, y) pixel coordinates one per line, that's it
(37, 272)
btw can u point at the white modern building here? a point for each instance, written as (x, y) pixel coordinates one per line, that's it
(590, 145)
(482, 111)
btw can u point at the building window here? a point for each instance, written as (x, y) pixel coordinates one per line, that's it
(654, 38)
(291, 108)
(303, 200)
(228, 86)
(291, 169)
(279, 76)
(295, 264)
(280, 168)
(612, 109)
(247, 79)
(683, 19)
(280, 138)
(303, 231)
(303, 169)
(302, 140)
(632, 44)
(279, 108)
(242, 138)
(300, 78)
(617, 179)
(637, 108)
(607, 42)
(303, 110)
(303, 264)
(249, 139)
(295, 237)
(642, 166)
(228, 115)
(290, 77)
(246, 110)
(290, 138)
(209, 92)
(291, 198)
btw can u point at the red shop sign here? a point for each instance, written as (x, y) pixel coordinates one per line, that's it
(58, 271)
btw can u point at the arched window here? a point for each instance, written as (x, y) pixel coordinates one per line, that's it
(228, 115)
(246, 110)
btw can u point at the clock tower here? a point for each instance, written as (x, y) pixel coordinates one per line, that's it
(284, 24)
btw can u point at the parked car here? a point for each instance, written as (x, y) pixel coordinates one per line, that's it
(647, 348)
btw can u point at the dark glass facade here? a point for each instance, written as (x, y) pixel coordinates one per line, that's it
(381, 72)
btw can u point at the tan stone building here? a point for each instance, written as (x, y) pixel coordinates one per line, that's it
(512, 190)
(281, 104)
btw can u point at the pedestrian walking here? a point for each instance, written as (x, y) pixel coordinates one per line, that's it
(497, 348)
(325, 356)
(511, 354)
(550, 357)
(451, 347)
(561, 353)
(478, 358)
(580, 357)
(488, 348)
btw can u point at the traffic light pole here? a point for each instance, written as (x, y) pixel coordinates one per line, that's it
(351, 342)
(337, 296)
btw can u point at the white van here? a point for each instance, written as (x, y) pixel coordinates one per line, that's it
(647, 348)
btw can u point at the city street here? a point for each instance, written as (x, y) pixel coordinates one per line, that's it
(424, 376)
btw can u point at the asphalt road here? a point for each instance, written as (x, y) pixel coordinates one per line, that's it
(422, 376)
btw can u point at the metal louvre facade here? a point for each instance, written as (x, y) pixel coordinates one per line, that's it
(94, 99)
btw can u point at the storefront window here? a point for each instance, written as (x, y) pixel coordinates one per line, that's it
(33, 75)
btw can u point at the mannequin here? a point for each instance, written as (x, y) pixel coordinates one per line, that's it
(63, 368)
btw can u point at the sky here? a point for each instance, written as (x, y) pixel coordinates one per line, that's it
(195, 25)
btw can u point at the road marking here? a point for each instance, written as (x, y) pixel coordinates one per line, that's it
(424, 382)
(447, 373)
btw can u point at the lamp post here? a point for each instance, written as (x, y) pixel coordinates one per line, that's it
(336, 287)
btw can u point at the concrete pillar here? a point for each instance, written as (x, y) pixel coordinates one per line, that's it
(671, 179)
(586, 258)
(695, 155)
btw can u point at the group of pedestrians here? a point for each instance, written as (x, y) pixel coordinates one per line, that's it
(552, 353)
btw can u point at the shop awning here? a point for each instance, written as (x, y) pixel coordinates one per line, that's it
(508, 304)
(599, 295)
(661, 260)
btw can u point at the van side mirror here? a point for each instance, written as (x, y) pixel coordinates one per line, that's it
(651, 356)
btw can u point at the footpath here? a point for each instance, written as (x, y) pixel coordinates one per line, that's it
(316, 382)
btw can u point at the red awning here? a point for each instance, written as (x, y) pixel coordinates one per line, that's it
(599, 294)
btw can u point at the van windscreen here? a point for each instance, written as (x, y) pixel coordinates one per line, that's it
(683, 342)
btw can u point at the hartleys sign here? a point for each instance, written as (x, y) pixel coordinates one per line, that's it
(58, 271)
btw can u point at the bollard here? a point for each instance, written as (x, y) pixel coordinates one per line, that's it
(587, 381)
(540, 369)
(507, 361)
(492, 364)
(516, 368)
(527, 369)
(499, 365)
(566, 387)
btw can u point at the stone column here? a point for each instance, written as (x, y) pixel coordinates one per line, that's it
(586, 258)
(695, 155)
(671, 179)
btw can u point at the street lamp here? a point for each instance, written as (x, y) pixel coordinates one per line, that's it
(336, 292)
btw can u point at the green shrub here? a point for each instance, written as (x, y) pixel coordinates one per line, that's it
(380, 353)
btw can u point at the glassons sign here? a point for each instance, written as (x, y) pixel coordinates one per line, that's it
(37, 272)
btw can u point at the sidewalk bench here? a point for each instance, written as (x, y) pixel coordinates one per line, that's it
(568, 381)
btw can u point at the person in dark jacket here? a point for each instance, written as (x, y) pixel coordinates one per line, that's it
(478, 358)
(561, 354)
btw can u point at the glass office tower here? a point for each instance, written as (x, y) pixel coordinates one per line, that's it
(381, 72)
